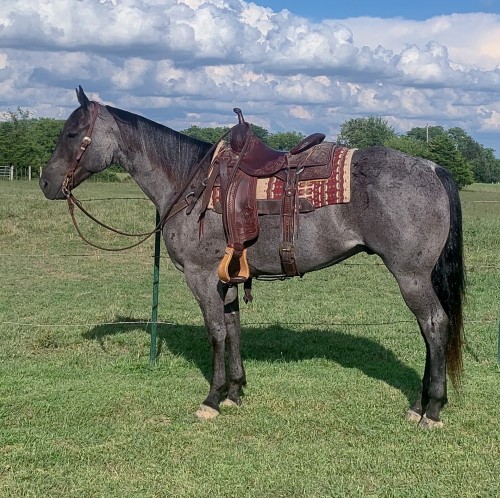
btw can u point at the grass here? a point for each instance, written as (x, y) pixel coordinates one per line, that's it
(332, 361)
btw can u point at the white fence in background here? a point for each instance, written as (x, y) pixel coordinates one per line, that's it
(6, 172)
(12, 173)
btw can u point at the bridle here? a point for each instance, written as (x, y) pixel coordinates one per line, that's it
(68, 182)
(180, 203)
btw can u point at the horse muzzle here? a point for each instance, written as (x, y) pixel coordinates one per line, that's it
(50, 189)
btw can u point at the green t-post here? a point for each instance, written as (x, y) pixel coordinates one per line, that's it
(156, 281)
(498, 354)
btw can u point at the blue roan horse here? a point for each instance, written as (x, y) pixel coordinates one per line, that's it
(402, 208)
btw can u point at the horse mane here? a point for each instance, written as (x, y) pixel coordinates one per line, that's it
(166, 148)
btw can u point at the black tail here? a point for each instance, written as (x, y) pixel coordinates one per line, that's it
(448, 279)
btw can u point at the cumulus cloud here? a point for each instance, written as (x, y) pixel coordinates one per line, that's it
(181, 61)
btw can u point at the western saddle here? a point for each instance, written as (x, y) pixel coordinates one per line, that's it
(236, 167)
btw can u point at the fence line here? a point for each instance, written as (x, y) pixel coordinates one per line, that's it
(41, 325)
(166, 256)
(43, 199)
(22, 174)
(245, 324)
(7, 172)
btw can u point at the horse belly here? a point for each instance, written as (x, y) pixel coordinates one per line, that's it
(323, 237)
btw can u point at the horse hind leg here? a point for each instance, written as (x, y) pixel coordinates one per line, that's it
(419, 295)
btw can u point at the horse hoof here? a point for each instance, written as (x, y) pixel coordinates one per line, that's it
(205, 412)
(229, 403)
(428, 423)
(413, 416)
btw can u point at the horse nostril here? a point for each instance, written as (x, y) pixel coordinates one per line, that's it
(43, 184)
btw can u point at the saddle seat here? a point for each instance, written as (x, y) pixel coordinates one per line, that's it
(257, 158)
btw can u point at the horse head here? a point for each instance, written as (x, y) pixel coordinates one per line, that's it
(86, 146)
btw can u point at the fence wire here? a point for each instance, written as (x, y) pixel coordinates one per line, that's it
(148, 322)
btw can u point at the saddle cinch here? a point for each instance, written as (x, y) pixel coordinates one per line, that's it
(236, 167)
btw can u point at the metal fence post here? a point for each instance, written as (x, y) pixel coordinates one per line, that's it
(156, 281)
(498, 354)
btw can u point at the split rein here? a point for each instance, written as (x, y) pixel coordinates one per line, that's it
(177, 206)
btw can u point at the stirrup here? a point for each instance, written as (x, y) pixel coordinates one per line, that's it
(233, 269)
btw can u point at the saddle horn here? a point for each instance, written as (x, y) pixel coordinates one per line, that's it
(239, 132)
(239, 112)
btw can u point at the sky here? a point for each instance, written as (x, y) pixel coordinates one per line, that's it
(297, 65)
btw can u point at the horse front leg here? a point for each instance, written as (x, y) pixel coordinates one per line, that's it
(221, 316)
(236, 371)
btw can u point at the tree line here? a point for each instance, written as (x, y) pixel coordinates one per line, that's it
(466, 159)
(25, 141)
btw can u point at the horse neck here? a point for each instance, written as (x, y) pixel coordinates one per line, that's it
(160, 160)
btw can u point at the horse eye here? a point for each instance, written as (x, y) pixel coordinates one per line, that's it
(71, 134)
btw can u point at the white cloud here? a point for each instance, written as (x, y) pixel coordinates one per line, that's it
(300, 112)
(180, 59)
(471, 39)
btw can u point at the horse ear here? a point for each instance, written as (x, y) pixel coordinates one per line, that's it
(82, 98)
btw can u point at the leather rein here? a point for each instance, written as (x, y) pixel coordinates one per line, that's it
(178, 205)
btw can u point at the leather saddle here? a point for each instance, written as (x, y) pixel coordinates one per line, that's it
(236, 167)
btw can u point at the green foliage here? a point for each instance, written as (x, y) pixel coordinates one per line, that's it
(485, 166)
(27, 142)
(211, 135)
(443, 152)
(281, 141)
(284, 140)
(408, 145)
(260, 132)
(426, 134)
(481, 160)
(365, 132)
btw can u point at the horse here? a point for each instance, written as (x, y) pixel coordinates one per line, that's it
(404, 209)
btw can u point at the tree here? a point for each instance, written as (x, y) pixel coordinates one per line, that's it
(365, 132)
(426, 134)
(260, 132)
(443, 152)
(284, 140)
(213, 135)
(409, 146)
(210, 135)
(25, 141)
(482, 159)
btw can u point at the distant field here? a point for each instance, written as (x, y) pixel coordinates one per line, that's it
(332, 362)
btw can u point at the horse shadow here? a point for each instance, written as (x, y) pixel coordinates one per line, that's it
(275, 343)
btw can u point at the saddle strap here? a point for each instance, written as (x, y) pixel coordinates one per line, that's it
(289, 213)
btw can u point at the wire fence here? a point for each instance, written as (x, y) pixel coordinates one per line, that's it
(12, 173)
(166, 257)
(29, 173)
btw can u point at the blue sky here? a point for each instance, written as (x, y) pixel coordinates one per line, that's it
(189, 62)
(417, 10)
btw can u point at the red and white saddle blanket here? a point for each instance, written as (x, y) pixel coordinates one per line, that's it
(333, 190)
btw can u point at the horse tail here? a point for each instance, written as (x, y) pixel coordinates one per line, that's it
(449, 280)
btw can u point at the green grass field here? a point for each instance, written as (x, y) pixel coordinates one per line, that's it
(332, 363)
